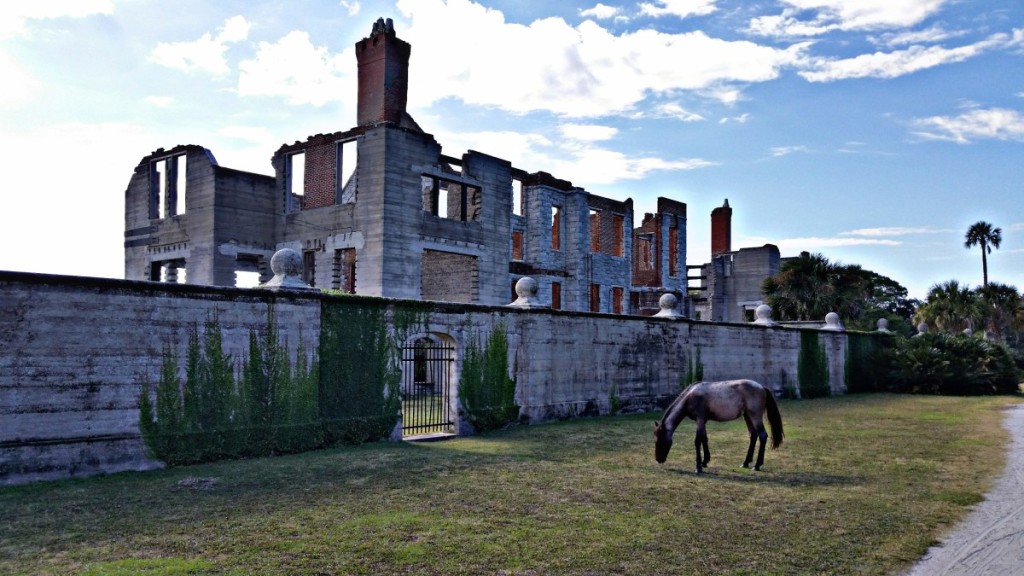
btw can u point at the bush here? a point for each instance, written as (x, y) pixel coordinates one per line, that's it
(952, 364)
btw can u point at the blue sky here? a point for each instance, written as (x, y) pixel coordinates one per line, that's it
(873, 131)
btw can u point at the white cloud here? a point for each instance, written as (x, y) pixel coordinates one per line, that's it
(159, 101)
(14, 14)
(812, 244)
(19, 84)
(601, 12)
(741, 119)
(674, 110)
(207, 54)
(828, 15)
(894, 231)
(976, 124)
(588, 132)
(680, 8)
(574, 157)
(897, 63)
(582, 71)
(352, 7)
(105, 156)
(927, 36)
(787, 150)
(295, 69)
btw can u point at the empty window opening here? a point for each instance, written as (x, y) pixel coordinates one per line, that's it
(170, 271)
(644, 252)
(595, 230)
(309, 267)
(517, 245)
(246, 279)
(450, 199)
(556, 218)
(296, 173)
(517, 197)
(617, 299)
(345, 183)
(556, 295)
(618, 235)
(595, 297)
(250, 270)
(344, 273)
(167, 187)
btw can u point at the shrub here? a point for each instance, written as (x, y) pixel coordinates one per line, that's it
(952, 364)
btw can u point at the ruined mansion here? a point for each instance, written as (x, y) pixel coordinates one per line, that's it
(380, 210)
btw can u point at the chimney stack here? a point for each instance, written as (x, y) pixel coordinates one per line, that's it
(721, 229)
(383, 75)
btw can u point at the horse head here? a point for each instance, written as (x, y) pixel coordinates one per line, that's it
(662, 442)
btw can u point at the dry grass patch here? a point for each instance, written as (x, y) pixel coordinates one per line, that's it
(862, 485)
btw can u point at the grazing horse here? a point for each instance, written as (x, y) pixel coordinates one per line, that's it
(720, 401)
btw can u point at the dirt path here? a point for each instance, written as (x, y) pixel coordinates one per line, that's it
(990, 541)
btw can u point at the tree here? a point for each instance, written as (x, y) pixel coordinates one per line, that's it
(951, 307)
(810, 286)
(984, 235)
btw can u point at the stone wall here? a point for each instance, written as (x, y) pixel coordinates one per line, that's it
(75, 352)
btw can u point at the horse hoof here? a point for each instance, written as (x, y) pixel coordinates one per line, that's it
(699, 471)
(757, 468)
(745, 465)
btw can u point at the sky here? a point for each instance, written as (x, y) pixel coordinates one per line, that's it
(874, 132)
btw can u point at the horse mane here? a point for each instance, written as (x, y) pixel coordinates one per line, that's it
(676, 411)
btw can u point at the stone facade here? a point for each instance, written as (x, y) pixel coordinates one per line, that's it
(374, 210)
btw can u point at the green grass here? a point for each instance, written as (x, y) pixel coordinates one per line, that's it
(862, 485)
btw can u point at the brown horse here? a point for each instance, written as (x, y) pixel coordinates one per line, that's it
(720, 401)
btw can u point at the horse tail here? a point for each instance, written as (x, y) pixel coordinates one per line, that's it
(774, 418)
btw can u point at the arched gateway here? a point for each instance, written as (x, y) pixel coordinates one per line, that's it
(428, 390)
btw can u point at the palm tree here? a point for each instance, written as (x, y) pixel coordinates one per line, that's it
(951, 307)
(982, 234)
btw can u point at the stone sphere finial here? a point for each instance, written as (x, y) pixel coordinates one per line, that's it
(922, 328)
(832, 322)
(883, 325)
(526, 287)
(667, 303)
(526, 290)
(763, 315)
(286, 264)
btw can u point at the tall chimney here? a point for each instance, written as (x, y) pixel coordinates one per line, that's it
(383, 75)
(721, 229)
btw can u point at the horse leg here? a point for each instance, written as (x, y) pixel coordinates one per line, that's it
(752, 430)
(763, 436)
(701, 439)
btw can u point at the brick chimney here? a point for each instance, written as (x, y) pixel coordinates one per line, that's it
(721, 229)
(383, 75)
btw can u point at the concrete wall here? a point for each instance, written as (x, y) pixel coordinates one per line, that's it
(75, 352)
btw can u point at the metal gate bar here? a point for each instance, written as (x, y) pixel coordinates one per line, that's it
(426, 389)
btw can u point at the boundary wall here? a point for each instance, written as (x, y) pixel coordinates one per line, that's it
(74, 352)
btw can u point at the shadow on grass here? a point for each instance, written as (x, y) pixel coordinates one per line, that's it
(741, 476)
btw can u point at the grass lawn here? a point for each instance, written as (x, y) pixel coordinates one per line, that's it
(862, 485)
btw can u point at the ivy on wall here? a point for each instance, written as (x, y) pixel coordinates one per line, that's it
(486, 391)
(812, 366)
(360, 372)
(867, 363)
(694, 369)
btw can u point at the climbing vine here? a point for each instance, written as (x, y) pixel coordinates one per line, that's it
(812, 366)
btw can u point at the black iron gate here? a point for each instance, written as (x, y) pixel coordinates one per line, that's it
(426, 388)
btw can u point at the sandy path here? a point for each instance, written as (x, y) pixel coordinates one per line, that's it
(990, 541)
